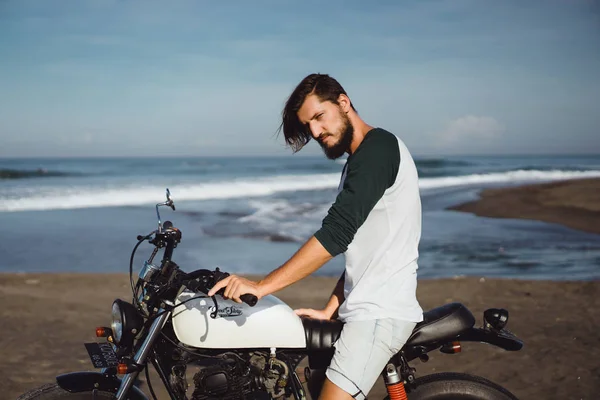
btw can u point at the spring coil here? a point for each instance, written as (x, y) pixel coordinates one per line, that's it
(396, 391)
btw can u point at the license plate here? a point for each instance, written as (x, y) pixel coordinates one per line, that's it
(102, 355)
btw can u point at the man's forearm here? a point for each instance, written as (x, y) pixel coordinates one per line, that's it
(310, 257)
(337, 297)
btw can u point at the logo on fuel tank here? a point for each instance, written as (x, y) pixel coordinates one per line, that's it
(230, 311)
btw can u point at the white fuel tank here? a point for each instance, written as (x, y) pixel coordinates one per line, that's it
(270, 323)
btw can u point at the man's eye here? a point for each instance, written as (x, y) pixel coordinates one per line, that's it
(319, 116)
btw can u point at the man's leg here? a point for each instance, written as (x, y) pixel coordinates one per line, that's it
(331, 391)
(361, 353)
(322, 388)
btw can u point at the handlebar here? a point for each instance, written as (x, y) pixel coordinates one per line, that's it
(168, 237)
(249, 299)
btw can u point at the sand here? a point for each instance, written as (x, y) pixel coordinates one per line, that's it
(573, 203)
(46, 318)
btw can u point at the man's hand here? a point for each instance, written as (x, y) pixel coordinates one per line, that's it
(309, 312)
(235, 286)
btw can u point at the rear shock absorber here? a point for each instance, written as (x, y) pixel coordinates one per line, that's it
(393, 383)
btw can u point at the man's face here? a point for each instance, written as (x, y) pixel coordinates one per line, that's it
(328, 125)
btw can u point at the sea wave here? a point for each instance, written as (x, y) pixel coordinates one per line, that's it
(23, 174)
(564, 168)
(440, 163)
(88, 197)
(518, 176)
(80, 197)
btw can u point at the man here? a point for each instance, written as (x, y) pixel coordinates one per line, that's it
(375, 221)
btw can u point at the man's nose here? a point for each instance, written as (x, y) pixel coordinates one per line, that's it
(315, 131)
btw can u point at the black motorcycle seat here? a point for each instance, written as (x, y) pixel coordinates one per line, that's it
(439, 324)
(442, 324)
(320, 337)
(321, 334)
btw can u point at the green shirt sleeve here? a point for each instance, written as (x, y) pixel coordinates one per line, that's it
(371, 170)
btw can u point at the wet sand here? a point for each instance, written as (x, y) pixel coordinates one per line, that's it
(573, 203)
(46, 318)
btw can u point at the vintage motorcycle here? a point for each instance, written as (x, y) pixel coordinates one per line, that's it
(250, 350)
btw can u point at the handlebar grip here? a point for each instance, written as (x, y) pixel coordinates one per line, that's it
(249, 299)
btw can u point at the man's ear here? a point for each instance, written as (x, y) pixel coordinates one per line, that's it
(344, 102)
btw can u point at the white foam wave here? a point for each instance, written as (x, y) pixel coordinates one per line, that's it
(267, 211)
(296, 221)
(518, 176)
(73, 198)
(80, 197)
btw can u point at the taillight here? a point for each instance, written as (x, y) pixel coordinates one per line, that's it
(451, 348)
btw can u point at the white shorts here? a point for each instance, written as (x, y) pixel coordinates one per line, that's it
(362, 352)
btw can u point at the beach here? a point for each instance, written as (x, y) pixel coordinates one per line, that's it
(47, 318)
(573, 203)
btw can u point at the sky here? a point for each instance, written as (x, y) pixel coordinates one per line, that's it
(158, 78)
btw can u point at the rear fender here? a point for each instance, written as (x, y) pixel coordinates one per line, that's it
(87, 381)
(501, 338)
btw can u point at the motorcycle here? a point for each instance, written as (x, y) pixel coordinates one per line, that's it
(250, 350)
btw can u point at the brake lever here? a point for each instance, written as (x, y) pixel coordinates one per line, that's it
(219, 276)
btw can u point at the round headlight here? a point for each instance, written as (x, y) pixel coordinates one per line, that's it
(126, 323)
(117, 322)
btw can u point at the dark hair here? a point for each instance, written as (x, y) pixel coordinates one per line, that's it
(326, 88)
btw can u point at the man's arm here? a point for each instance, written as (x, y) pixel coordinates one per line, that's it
(310, 257)
(337, 297)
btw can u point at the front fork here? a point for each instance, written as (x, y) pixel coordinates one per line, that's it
(140, 357)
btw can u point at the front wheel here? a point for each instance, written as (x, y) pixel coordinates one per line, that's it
(55, 392)
(455, 386)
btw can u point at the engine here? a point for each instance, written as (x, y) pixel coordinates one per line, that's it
(256, 376)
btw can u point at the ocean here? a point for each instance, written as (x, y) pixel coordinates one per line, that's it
(250, 214)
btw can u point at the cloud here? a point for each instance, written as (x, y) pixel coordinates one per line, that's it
(471, 128)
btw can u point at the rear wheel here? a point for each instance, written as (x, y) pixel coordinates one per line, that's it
(55, 392)
(451, 386)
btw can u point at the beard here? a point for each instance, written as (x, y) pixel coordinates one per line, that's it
(346, 133)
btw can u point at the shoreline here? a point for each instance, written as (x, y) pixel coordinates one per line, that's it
(48, 316)
(574, 203)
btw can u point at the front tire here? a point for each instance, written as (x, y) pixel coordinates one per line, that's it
(455, 386)
(52, 391)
